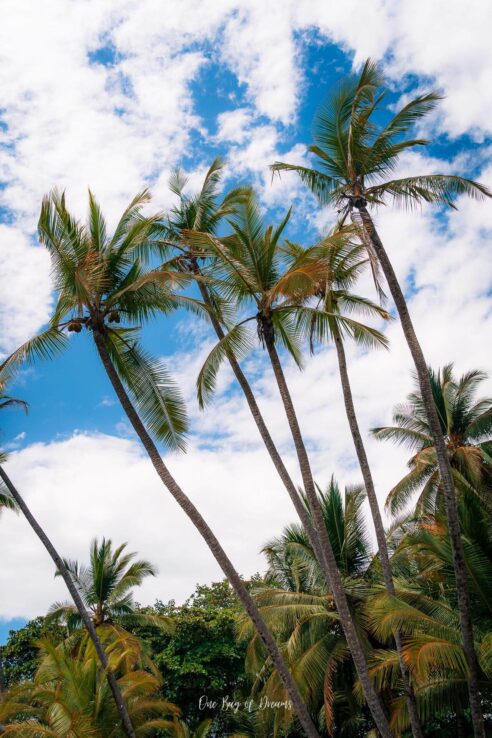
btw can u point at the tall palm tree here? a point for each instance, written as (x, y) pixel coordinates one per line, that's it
(204, 212)
(69, 698)
(250, 271)
(11, 498)
(105, 587)
(334, 294)
(355, 156)
(102, 280)
(466, 424)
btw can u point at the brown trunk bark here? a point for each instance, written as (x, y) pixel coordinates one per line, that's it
(461, 727)
(60, 565)
(209, 537)
(444, 471)
(264, 432)
(378, 525)
(335, 580)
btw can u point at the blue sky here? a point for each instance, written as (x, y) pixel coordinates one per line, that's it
(117, 108)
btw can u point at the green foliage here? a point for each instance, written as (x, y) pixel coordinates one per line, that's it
(201, 656)
(20, 655)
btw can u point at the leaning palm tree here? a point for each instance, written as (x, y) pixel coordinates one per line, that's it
(466, 424)
(103, 280)
(69, 698)
(105, 587)
(250, 270)
(204, 212)
(334, 294)
(355, 156)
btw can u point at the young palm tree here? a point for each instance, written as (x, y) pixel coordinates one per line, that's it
(250, 271)
(204, 212)
(84, 616)
(102, 280)
(354, 158)
(300, 610)
(105, 587)
(427, 614)
(12, 499)
(69, 698)
(466, 424)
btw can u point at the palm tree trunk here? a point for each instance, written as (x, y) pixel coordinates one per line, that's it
(60, 565)
(444, 470)
(262, 428)
(378, 525)
(209, 537)
(461, 727)
(328, 560)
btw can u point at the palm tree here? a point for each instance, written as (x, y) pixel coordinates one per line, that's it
(203, 213)
(345, 262)
(300, 610)
(105, 587)
(100, 280)
(11, 498)
(427, 615)
(250, 270)
(69, 698)
(354, 158)
(466, 424)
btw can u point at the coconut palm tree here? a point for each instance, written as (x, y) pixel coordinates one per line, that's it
(466, 424)
(203, 213)
(101, 281)
(355, 156)
(251, 271)
(11, 498)
(301, 611)
(427, 613)
(69, 698)
(334, 294)
(105, 587)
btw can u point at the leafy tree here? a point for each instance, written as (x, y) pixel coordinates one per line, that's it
(355, 156)
(201, 656)
(20, 655)
(100, 280)
(466, 424)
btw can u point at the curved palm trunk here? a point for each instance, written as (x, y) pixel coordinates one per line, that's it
(328, 560)
(444, 469)
(60, 565)
(209, 537)
(264, 432)
(378, 525)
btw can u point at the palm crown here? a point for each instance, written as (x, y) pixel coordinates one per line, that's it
(268, 278)
(106, 587)
(104, 284)
(466, 424)
(355, 155)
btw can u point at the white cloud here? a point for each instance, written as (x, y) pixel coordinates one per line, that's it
(104, 486)
(73, 123)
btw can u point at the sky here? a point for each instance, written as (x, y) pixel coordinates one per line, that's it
(113, 96)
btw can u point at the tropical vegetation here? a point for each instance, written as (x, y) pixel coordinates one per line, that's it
(355, 628)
